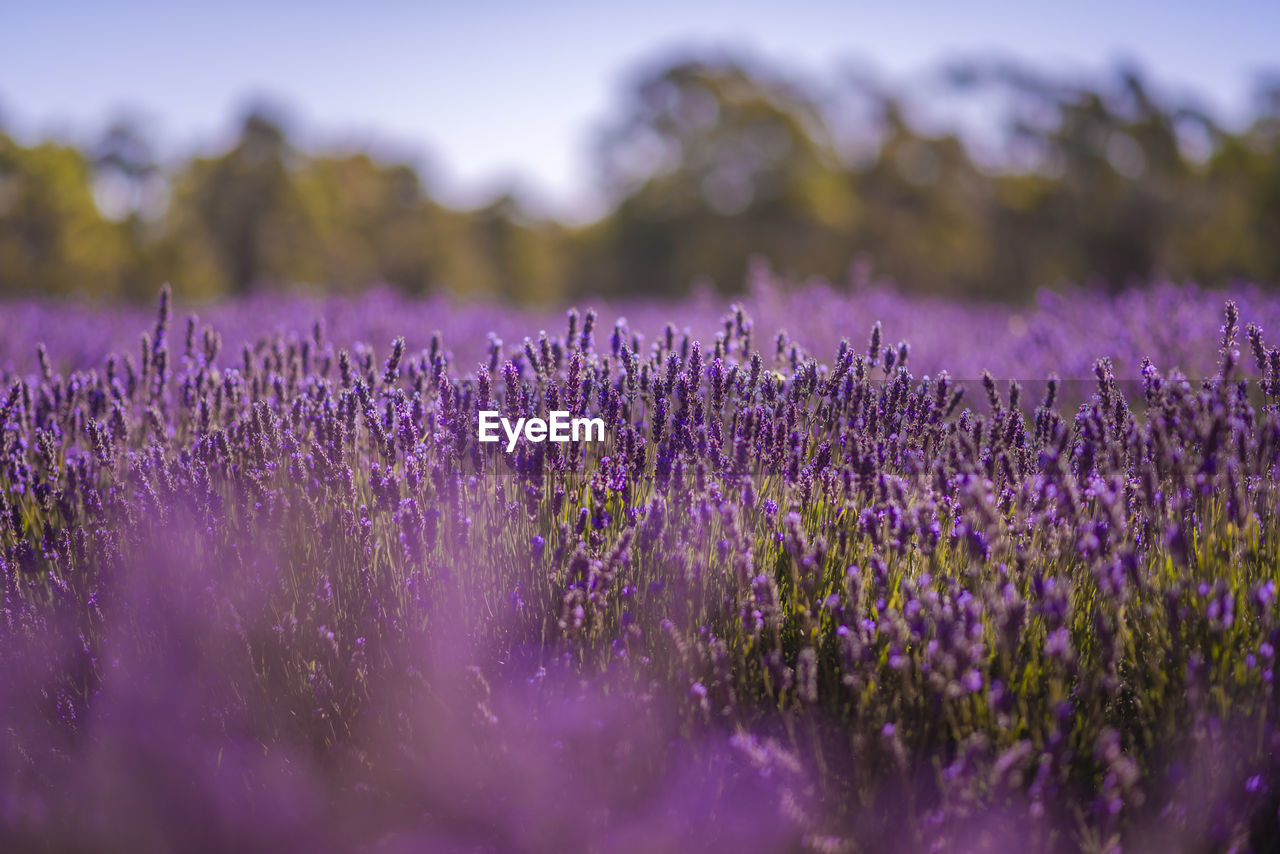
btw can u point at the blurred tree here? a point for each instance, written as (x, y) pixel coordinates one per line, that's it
(1110, 192)
(522, 255)
(710, 163)
(925, 207)
(245, 206)
(127, 171)
(1240, 237)
(371, 222)
(53, 239)
(131, 190)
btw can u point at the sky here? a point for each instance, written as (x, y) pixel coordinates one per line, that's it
(482, 95)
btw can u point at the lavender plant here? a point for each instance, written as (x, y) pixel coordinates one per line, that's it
(811, 592)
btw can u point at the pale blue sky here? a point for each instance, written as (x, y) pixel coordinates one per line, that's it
(484, 91)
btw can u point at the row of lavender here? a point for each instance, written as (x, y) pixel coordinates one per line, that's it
(278, 595)
(1059, 333)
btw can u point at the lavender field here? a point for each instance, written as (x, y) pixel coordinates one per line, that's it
(851, 571)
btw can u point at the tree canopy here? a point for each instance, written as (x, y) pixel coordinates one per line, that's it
(706, 163)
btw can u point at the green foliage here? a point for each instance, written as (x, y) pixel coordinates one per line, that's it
(706, 164)
(52, 238)
(711, 161)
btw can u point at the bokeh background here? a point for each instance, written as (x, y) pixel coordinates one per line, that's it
(540, 153)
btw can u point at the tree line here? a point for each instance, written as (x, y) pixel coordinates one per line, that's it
(706, 163)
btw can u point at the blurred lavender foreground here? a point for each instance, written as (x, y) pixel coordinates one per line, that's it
(264, 590)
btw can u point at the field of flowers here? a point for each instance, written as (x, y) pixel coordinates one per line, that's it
(1008, 586)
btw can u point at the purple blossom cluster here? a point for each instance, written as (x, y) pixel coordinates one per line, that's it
(810, 593)
(1060, 333)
